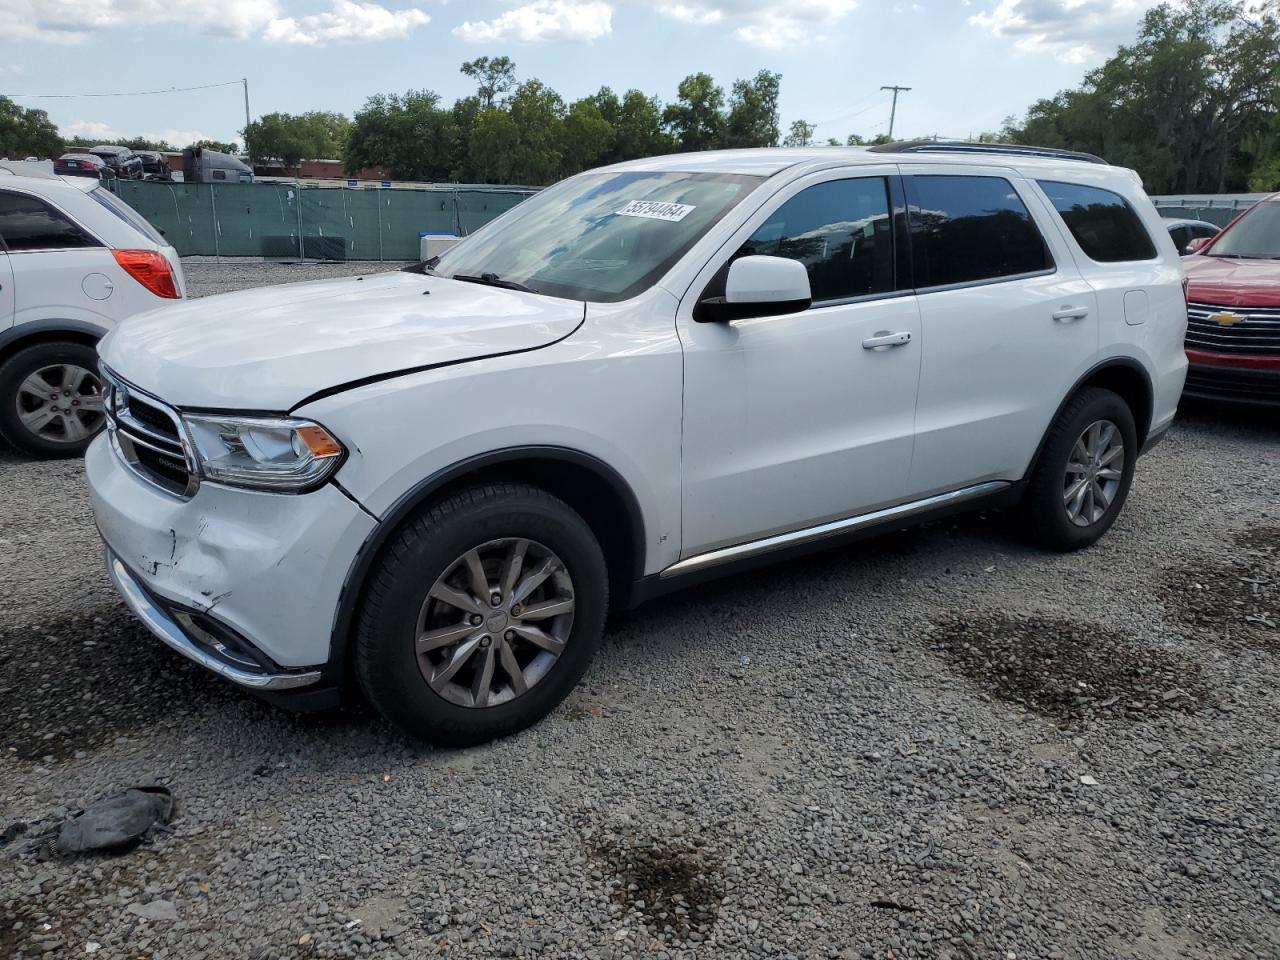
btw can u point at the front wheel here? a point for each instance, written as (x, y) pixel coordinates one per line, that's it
(482, 614)
(51, 399)
(1082, 478)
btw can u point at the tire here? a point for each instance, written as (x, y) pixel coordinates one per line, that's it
(1046, 510)
(69, 432)
(426, 559)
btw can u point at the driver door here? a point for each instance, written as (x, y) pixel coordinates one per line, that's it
(801, 418)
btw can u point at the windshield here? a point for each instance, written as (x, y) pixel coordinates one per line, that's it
(601, 237)
(1256, 235)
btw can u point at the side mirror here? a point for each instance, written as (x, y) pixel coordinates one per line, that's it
(1198, 244)
(759, 287)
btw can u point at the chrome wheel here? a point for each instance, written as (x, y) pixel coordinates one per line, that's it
(61, 403)
(494, 623)
(1095, 468)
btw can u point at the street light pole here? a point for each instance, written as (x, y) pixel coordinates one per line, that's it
(893, 111)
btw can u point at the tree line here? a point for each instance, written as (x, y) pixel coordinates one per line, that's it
(1193, 104)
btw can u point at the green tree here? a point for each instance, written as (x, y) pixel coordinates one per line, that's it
(494, 143)
(494, 76)
(696, 119)
(588, 136)
(753, 112)
(291, 139)
(411, 137)
(538, 113)
(637, 125)
(801, 134)
(1189, 105)
(221, 146)
(27, 133)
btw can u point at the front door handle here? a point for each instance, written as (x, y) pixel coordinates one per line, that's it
(886, 339)
(1069, 313)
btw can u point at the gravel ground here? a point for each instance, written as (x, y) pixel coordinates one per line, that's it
(939, 743)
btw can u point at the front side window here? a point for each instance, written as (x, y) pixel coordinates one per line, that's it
(601, 237)
(840, 231)
(1256, 236)
(30, 224)
(967, 229)
(1106, 227)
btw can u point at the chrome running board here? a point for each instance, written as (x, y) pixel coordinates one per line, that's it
(834, 528)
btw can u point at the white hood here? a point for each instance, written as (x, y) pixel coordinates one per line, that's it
(270, 348)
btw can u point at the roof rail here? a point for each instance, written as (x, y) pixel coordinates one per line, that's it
(964, 146)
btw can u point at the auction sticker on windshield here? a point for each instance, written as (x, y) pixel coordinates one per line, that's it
(656, 210)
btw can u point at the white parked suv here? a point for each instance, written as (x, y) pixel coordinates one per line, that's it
(434, 482)
(75, 260)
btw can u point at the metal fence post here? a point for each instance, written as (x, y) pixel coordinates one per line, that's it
(213, 204)
(378, 197)
(302, 244)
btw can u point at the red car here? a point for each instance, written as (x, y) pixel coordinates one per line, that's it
(1233, 310)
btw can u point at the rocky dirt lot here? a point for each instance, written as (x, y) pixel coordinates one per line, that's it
(939, 743)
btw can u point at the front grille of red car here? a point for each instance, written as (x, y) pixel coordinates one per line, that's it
(1240, 330)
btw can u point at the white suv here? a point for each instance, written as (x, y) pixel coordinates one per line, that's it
(434, 482)
(75, 260)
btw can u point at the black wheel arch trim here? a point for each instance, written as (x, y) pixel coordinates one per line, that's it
(334, 671)
(1129, 363)
(41, 329)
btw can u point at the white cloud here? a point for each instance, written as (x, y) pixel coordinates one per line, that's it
(1074, 31)
(348, 22)
(543, 21)
(106, 133)
(74, 22)
(762, 23)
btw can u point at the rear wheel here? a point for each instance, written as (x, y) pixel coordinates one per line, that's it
(1082, 478)
(482, 615)
(51, 399)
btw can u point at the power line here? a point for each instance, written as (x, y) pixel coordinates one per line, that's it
(133, 93)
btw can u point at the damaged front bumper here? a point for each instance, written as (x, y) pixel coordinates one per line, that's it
(194, 639)
(245, 583)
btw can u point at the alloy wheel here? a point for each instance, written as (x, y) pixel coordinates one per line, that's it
(495, 622)
(61, 403)
(1095, 469)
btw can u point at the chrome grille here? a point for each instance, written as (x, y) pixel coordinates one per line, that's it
(1256, 332)
(148, 436)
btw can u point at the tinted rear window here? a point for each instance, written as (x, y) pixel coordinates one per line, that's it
(967, 229)
(1106, 227)
(30, 224)
(128, 215)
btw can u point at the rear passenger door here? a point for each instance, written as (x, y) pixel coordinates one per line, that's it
(1008, 323)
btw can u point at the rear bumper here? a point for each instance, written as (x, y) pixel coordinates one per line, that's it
(1233, 384)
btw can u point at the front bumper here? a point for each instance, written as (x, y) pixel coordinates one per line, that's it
(262, 572)
(157, 618)
(1233, 384)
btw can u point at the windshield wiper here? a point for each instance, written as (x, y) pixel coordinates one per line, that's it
(493, 280)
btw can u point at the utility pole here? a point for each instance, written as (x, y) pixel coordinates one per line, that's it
(893, 112)
(245, 81)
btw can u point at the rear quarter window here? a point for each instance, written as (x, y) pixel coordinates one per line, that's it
(129, 215)
(1107, 228)
(27, 223)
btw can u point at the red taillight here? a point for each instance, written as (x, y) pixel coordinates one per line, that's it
(150, 269)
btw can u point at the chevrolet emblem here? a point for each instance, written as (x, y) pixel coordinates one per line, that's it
(1226, 319)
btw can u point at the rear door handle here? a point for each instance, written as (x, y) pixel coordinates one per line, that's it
(1070, 313)
(885, 339)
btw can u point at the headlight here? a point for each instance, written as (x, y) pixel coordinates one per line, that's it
(270, 453)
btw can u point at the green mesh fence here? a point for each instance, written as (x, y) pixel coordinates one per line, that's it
(326, 223)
